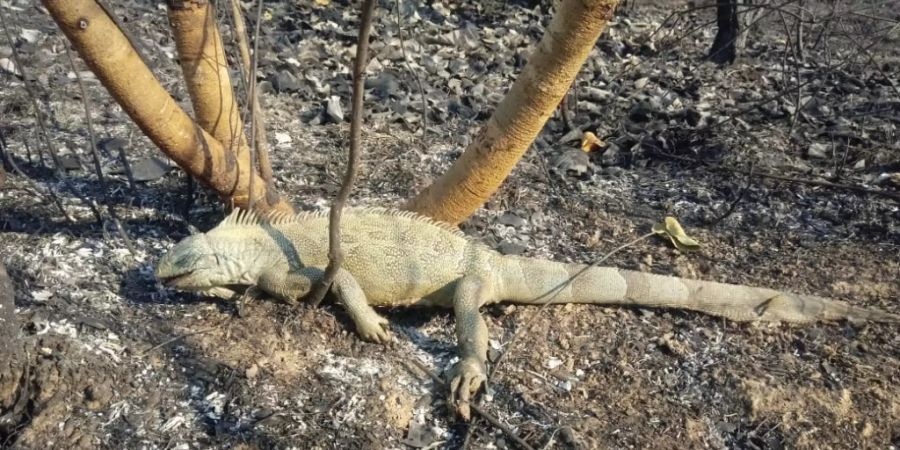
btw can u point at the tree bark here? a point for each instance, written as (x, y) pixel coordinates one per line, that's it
(723, 50)
(11, 363)
(202, 58)
(518, 119)
(111, 57)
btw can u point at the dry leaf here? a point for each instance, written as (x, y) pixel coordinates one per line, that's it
(672, 229)
(590, 142)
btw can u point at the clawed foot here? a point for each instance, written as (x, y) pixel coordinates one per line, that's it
(374, 329)
(241, 300)
(466, 378)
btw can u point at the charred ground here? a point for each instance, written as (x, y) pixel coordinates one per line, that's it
(91, 318)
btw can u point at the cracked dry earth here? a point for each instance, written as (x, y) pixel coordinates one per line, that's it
(103, 357)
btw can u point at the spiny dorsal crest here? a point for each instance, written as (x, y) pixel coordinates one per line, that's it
(244, 217)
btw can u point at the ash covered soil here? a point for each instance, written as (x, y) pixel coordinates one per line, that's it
(110, 359)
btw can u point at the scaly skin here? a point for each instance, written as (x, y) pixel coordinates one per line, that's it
(396, 258)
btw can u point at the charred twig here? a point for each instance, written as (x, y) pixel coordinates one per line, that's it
(137, 45)
(827, 68)
(89, 123)
(257, 118)
(415, 75)
(794, 48)
(335, 257)
(58, 169)
(737, 199)
(5, 157)
(564, 112)
(865, 51)
(34, 186)
(126, 166)
(86, 102)
(821, 183)
(188, 197)
(748, 7)
(178, 338)
(550, 295)
(254, 104)
(484, 414)
(799, 39)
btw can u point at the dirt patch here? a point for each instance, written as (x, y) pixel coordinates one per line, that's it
(799, 409)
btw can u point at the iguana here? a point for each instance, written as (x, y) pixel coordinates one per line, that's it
(399, 258)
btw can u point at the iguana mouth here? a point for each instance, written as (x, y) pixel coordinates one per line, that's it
(173, 280)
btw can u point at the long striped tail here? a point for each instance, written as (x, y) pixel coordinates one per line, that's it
(531, 281)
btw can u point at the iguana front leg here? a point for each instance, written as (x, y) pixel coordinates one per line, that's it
(369, 324)
(292, 286)
(472, 338)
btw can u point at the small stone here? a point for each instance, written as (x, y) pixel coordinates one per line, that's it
(572, 136)
(510, 248)
(265, 87)
(494, 355)
(817, 150)
(8, 65)
(285, 81)
(512, 220)
(97, 396)
(333, 109)
(641, 83)
(69, 162)
(30, 36)
(252, 372)
(418, 435)
(283, 139)
(384, 85)
(612, 156)
(567, 434)
(641, 111)
(573, 160)
(149, 169)
(110, 145)
(888, 179)
(596, 95)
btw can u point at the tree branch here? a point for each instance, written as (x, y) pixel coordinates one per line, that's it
(335, 257)
(518, 119)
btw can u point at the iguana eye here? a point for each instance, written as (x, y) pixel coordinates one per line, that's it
(184, 260)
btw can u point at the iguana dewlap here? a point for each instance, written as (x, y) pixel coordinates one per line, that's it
(394, 258)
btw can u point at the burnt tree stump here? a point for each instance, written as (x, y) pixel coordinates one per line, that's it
(11, 360)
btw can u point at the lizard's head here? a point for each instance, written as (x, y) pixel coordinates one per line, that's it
(193, 265)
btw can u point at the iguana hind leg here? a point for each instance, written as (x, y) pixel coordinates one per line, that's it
(467, 376)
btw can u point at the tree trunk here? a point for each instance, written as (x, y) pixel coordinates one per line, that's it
(202, 59)
(550, 71)
(108, 53)
(11, 363)
(723, 50)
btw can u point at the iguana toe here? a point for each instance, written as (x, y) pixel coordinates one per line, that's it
(465, 379)
(374, 330)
